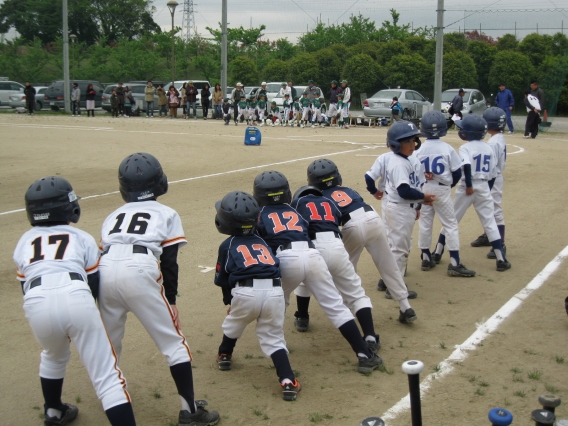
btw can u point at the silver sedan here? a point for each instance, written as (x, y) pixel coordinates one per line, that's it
(19, 99)
(413, 104)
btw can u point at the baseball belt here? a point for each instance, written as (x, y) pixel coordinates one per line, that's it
(73, 275)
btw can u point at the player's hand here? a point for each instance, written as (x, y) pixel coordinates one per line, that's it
(429, 175)
(468, 191)
(429, 199)
(511, 108)
(229, 310)
(378, 195)
(417, 214)
(177, 322)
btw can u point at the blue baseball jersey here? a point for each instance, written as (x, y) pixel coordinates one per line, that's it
(281, 224)
(346, 199)
(321, 213)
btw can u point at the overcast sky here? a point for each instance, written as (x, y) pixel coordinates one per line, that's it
(291, 18)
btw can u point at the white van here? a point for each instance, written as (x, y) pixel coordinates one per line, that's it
(7, 89)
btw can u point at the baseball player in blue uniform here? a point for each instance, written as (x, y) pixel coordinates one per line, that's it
(443, 165)
(286, 233)
(139, 274)
(58, 270)
(479, 161)
(323, 218)
(249, 276)
(362, 228)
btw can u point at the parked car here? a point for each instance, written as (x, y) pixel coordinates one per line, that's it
(250, 92)
(273, 88)
(19, 99)
(197, 83)
(300, 89)
(54, 94)
(137, 93)
(7, 89)
(473, 101)
(413, 103)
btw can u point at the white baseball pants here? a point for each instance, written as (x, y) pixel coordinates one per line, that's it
(332, 111)
(242, 113)
(497, 194)
(346, 280)
(400, 222)
(345, 110)
(305, 113)
(365, 230)
(444, 208)
(132, 282)
(61, 311)
(286, 114)
(265, 306)
(261, 114)
(316, 115)
(301, 264)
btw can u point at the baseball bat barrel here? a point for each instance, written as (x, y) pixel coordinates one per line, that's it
(549, 402)
(413, 369)
(500, 417)
(543, 417)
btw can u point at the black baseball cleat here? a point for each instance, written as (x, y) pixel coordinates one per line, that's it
(491, 254)
(411, 294)
(374, 346)
(407, 316)
(460, 271)
(67, 416)
(200, 417)
(302, 324)
(367, 365)
(503, 265)
(437, 258)
(290, 390)
(482, 241)
(428, 264)
(381, 286)
(224, 362)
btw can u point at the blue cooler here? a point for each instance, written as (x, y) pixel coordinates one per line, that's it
(252, 136)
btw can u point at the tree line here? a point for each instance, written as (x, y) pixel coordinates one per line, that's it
(369, 56)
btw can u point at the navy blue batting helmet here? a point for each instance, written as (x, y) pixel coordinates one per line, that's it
(472, 128)
(237, 214)
(401, 131)
(434, 125)
(495, 118)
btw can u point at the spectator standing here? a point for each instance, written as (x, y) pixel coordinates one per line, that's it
(30, 93)
(162, 101)
(173, 101)
(312, 90)
(236, 98)
(149, 92)
(538, 93)
(285, 90)
(396, 109)
(76, 100)
(120, 95)
(293, 90)
(346, 103)
(128, 101)
(333, 92)
(205, 93)
(506, 102)
(90, 97)
(218, 101)
(114, 104)
(191, 93)
(533, 117)
(184, 99)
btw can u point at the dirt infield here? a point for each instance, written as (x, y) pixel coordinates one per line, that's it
(526, 357)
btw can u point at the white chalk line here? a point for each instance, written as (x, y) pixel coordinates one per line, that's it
(224, 173)
(520, 149)
(483, 331)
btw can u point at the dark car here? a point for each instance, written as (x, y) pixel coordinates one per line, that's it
(54, 94)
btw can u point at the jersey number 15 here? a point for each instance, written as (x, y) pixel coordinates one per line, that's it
(486, 163)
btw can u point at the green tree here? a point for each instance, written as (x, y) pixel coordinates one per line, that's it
(243, 70)
(320, 37)
(358, 30)
(275, 70)
(552, 76)
(483, 55)
(208, 66)
(391, 49)
(515, 68)
(410, 71)
(362, 73)
(459, 71)
(507, 42)
(302, 68)
(457, 40)
(536, 47)
(27, 61)
(559, 44)
(371, 48)
(329, 66)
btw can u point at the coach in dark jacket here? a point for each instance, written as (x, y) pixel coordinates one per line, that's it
(120, 95)
(457, 103)
(506, 102)
(537, 91)
(30, 93)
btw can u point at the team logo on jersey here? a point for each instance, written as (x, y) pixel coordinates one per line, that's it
(145, 195)
(42, 216)
(72, 196)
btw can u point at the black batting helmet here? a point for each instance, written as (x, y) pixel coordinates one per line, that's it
(52, 199)
(141, 178)
(237, 214)
(307, 190)
(272, 187)
(324, 174)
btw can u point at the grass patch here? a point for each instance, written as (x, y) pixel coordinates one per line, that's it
(296, 373)
(483, 383)
(516, 370)
(78, 399)
(450, 325)
(520, 393)
(442, 345)
(472, 378)
(506, 402)
(436, 368)
(210, 334)
(518, 378)
(255, 386)
(450, 302)
(550, 388)
(400, 344)
(534, 374)
(384, 369)
(559, 359)
(248, 356)
(480, 392)
(257, 412)
(529, 352)
(157, 395)
(317, 417)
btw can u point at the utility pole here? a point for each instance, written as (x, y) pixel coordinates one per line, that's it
(439, 57)
(66, 82)
(224, 48)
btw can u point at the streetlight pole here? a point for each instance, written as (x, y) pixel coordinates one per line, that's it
(439, 57)
(73, 38)
(66, 83)
(172, 4)
(224, 48)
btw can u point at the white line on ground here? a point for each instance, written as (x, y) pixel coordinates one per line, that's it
(483, 331)
(330, 154)
(520, 151)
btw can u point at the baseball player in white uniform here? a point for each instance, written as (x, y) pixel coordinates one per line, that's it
(378, 174)
(443, 165)
(479, 161)
(362, 229)
(58, 270)
(405, 177)
(139, 274)
(286, 233)
(346, 104)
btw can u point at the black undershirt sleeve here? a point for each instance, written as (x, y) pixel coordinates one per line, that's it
(170, 270)
(93, 281)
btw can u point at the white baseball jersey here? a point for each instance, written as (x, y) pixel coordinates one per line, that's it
(533, 100)
(45, 250)
(401, 170)
(439, 158)
(146, 223)
(482, 160)
(378, 171)
(497, 143)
